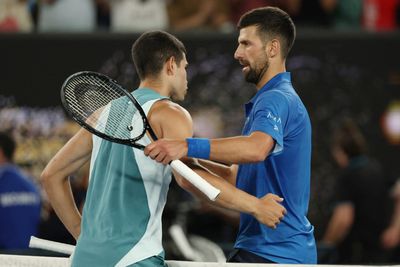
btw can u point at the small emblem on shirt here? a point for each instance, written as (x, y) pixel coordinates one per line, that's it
(273, 117)
(276, 119)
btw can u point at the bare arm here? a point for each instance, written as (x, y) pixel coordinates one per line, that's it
(231, 150)
(176, 123)
(242, 149)
(341, 221)
(227, 172)
(55, 180)
(266, 210)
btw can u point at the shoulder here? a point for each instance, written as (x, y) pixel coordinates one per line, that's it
(166, 109)
(272, 98)
(167, 117)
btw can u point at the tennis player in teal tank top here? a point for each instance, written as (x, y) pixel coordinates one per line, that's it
(127, 194)
(121, 218)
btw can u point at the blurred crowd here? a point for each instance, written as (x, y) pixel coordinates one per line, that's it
(185, 15)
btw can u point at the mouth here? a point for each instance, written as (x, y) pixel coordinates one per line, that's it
(245, 66)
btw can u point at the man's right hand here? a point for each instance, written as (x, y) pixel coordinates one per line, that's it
(164, 150)
(269, 211)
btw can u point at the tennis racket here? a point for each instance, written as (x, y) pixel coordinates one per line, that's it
(106, 109)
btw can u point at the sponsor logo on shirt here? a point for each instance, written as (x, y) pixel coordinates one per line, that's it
(276, 119)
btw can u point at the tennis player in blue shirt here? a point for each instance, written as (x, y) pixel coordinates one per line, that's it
(274, 151)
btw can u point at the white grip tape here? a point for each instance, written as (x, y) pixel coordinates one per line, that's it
(51, 245)
(210, 191)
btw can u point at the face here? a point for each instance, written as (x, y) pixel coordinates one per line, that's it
(180, 87)
(251, 54)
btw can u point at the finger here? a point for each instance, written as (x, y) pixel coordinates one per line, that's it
(150, 146)
(166, 161)
(160, 157)
(153, 154)
(284, 211)
(146, 150)
(278, 198)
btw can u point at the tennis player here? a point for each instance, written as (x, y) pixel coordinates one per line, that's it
(121, 220)
(274, 151)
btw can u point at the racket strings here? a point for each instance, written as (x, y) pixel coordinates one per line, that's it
(104, 107)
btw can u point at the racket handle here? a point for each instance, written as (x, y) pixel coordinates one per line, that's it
(209, 190)
(51, 245)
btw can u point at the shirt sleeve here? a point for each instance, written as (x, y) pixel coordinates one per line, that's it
(270, 116)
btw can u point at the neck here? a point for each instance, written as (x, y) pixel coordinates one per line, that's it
(155, 85)
(272, 71)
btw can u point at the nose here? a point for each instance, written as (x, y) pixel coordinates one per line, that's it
(237, 54)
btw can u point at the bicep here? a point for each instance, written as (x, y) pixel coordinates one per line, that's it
(262, 141)
(73, 155)
(171, 121)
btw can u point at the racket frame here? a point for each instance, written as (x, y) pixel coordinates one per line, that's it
(81, 122)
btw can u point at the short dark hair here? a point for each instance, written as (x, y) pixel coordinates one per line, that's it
(271, 22)
(152, 49)
(349, 138)
(7, 145)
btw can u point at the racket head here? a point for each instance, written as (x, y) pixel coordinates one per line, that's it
(104, 108)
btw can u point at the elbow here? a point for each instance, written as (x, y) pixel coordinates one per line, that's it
(45, 180)
(257, 154)
(183, 183)
(258, 147)
(260, 156)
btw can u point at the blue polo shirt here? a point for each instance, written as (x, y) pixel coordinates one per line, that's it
(277, 110)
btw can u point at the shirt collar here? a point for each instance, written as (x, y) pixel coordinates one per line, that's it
(283, 76)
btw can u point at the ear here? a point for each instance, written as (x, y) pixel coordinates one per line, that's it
(170, 66)
(273, 48)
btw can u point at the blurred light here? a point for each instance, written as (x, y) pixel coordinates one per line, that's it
(391, 122)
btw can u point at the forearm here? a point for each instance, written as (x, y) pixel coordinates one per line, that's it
(56, 183)
(339, 225)
(239, 149)
(61, 199)
(230, 197)
(223, 150)
(224, 171)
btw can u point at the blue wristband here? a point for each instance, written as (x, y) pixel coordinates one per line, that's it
(198, 148)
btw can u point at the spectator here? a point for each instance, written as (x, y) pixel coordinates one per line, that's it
(380, 15)
(239, 7)
(19, 201)
(344, 14)
(309, 13)
(359, 215)
(204, 14)
(391, 236)
(134, 15)
(15, 16)
(66, 16)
